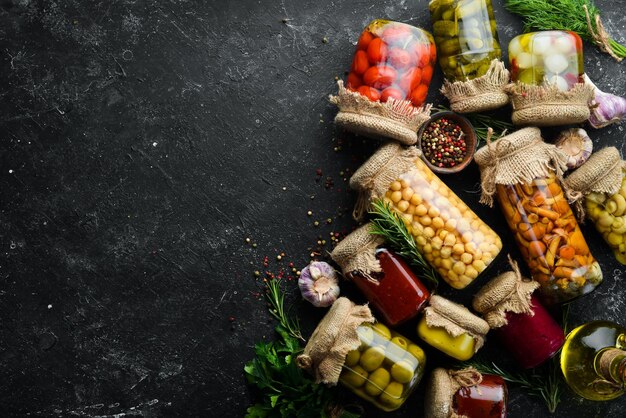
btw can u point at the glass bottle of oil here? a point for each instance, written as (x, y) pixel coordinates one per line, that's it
(593, 360)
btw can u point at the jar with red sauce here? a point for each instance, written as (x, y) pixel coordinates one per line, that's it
(393, 60)
(465, 393)
(519, 320)
(383, 277)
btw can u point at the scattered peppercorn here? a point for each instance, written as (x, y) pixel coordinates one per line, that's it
(443, 143)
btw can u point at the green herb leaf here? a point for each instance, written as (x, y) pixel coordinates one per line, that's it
(387, 224)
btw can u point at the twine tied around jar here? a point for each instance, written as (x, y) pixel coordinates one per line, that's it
(356, 253)
(517, 158)
(442, 387)
(602, 173)
(375, 176)
(599, 35)
(607, 385)
(336, 335)
(394, 119)
(508, 292)
(483, 93)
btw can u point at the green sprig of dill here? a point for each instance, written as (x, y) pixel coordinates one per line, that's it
(482, 122)
(387, 224)
(561, 15)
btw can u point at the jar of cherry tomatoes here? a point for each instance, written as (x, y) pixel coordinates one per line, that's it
(381, 275)
(469, 49)
(519, 320)
(391, 70)
(548, 69)
(525, 175)
(465, 393)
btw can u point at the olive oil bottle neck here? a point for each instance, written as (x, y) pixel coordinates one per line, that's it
(611, 365)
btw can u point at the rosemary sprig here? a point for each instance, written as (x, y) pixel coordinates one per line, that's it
(482, 123)
(386, 223)
(276, 299)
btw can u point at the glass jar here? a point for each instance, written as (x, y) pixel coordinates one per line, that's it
(394, 60)
(465, 393)
(452, 328)
(393, 289)
(548, 57)
(466, 37)
(549, 238)
(608, 213)
(385, 369)
(593, 360)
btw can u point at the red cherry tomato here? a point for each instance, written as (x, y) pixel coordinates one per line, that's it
(399, 58)
(395, 35)
(433, 53)
(391, 92)
(377, 51)
(369, 92)
(418, 95)
(410, 80)
(427, 74)
(380, 77)
(364, 41)
(360, 64)
(422, 54)
(354, 81)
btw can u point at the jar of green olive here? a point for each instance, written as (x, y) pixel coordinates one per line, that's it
(376, 363)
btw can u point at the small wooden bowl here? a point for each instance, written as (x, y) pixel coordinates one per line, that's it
(470, 140)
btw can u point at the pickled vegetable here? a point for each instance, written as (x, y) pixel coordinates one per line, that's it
(547, 58)
(608, 213)
(393, 60)
(466, 37)
(388, 367)
(461, 347)
(550, 239)
(447, 232)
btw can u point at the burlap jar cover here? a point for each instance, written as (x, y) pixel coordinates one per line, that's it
(602, 173)
(442, 387)
(517, 158)
(456, 320)
(483, 93)
(394, 119)
(508, 292)
(373, 178)
(336, 335)
(356, 253)
(549, 106)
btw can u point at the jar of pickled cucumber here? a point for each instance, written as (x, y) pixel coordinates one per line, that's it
(385, 279)
(388, 82)
(375, 363)
(447, 232)
(465, 393)
(466, 37)
(452, 328)
(519, 320)
(524, 173)
(548, 68)
(599, 185)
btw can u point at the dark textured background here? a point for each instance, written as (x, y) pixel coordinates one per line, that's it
(141, 143)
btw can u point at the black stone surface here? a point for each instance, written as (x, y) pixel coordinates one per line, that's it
(141, 143)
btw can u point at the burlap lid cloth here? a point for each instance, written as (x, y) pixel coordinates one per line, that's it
(517, 158)
(456, 320)
(394, 119)
(373, 178)
(602, 173)
(508, 292)
(356, 253)
(439, 402)
(336, 335)
(483, 93)
(549, 106)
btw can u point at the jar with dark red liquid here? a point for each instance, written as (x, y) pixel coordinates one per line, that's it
(522, 324)
(383, 277)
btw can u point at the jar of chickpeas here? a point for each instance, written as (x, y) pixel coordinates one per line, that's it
(376, 363)
(447, 232)
(523, 173)
(601, 187)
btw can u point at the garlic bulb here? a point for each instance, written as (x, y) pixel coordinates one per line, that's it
(318, 284)
(577, 145)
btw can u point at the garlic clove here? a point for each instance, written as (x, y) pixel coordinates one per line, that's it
(577, 145)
